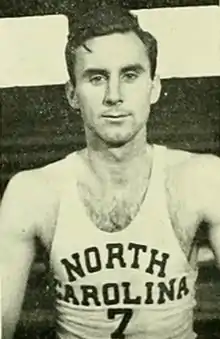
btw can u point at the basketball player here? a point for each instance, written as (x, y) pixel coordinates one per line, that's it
(118, 218)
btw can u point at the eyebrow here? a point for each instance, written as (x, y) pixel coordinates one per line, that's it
(103, 71)
(133, 67)
(92, 71)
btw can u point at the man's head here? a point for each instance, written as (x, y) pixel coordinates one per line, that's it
(101, 21)
(112, 64)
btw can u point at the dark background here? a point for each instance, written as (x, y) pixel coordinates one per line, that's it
(38, 127)
(11, 8)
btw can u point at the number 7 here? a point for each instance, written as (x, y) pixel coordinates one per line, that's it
(127, 314)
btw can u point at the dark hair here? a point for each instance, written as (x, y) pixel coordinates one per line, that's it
(105, 20)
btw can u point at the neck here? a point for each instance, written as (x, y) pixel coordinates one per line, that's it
(118, 165)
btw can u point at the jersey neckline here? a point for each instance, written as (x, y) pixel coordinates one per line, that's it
(134, 222)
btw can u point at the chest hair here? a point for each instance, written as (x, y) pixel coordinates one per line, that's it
(113, 209)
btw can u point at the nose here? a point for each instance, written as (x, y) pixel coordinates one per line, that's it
(113, 95)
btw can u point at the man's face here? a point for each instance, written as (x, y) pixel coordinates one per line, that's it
(113, 87)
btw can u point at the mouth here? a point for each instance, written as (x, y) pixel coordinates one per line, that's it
(116, 119)
(115, 115)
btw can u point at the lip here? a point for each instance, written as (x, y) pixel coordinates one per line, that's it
(115, 115)
(114, 119)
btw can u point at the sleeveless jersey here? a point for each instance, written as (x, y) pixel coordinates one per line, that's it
(133, 284)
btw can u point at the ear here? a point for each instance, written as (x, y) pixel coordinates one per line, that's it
(156, 89)
(71, 95)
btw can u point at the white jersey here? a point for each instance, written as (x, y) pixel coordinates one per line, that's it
(133, 284)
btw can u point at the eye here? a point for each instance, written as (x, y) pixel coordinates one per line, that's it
(97, 79)
(130, 76)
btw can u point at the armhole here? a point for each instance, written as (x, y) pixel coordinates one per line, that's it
(46, 224)
(191, 254)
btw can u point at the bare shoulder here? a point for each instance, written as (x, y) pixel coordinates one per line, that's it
(192, 168)
(191, 179)
(31, 198)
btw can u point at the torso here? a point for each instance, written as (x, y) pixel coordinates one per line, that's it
(83, 232)
(115, 210)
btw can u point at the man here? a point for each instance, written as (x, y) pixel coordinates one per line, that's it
(118, 218)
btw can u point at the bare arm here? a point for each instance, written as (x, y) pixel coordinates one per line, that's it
(23, 208)
(16, 249)
(211, 205)
(194, 193)
(203, 175)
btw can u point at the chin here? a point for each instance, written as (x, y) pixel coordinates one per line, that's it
(118, 141)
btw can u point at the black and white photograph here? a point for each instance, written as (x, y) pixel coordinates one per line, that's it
(110, 169)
